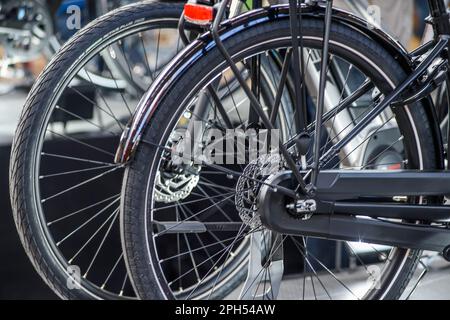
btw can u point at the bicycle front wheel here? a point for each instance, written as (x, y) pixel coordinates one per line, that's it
(159, 234)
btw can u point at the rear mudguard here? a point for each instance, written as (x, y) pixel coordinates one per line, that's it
(150, 101)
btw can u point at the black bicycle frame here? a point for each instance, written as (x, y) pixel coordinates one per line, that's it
(416, 86)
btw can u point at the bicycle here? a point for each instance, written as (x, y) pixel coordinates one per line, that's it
(323, 188)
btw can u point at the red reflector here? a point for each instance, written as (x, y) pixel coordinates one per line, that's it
(198, 13)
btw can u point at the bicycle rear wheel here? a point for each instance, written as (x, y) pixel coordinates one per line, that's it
(155, 233)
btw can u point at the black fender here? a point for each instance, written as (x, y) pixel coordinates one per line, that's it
(131, 136)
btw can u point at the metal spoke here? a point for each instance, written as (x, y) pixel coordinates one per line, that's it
(332, 274)
(120, 45)
(146, 57)
(383, 151)
(157, 50)
(230, 201)
(217, 186)
(337, 109)
(193, 201)
(360, 260)
(346, 127)
(352, 98)
(193, 216)
(84, 119)
(81, 142)
(218, 207)
(266, 264)
(107, 233)
(109, 112)
(362, 142)
(365, 87)
(60, 156)
(419, 279)
(189, 249)
(221, 251)
(313, 287)
(227, 251)
(197, 249)
(120, 92)
(199, 239)
(123, 284)
(302, 252)
(112, 271)
(322, 149)
(232, 99)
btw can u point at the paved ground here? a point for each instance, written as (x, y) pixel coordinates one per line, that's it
(435, 285)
